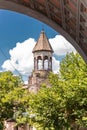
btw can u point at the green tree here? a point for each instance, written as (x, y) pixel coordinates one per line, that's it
(12, 96)
(73, 71)
(63, 106)
(73, 67)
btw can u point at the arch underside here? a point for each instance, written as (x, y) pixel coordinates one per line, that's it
(68, 17)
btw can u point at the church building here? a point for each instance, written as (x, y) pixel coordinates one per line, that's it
(42, 53)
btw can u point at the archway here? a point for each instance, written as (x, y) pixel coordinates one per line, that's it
(66, 17)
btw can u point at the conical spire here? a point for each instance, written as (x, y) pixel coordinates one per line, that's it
(42, 44)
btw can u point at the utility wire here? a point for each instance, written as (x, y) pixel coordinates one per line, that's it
(10, 62)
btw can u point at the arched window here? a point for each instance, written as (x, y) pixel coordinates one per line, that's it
(45, 63)
(39, 63)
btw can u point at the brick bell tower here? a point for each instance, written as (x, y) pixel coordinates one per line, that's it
(42, 53)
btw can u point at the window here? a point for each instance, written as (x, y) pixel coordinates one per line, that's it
(46, 63)
(39, 63)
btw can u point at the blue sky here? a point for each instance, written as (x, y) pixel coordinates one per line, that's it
(16, 32)
(15, 27)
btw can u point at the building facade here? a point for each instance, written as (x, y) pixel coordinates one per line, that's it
(42, 53)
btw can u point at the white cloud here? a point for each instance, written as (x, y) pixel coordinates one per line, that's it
(21, 56)
(60, 45)
(55, 65)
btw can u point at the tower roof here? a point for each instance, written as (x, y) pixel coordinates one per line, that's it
(42, 44)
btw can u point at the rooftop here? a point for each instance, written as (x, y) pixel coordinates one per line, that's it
(43, 43)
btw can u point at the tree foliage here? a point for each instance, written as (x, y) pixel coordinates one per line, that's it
(63, 106)
(12, 96)
(73, 67)
(60, 106)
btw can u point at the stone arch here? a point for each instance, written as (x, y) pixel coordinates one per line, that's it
(37, 14)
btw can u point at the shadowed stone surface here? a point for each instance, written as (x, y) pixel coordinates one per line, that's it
(68, 17)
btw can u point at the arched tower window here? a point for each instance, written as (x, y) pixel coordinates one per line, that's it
(39, 63)
(46, 62)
